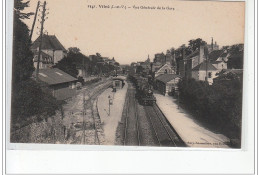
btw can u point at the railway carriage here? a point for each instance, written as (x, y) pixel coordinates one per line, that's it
(144, 92)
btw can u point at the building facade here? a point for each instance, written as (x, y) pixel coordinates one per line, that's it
(61, 84)
(203, 71)
(52, 51)
(166, 83)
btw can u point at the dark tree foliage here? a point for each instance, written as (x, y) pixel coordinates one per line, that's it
(74, 50)
(219, 104)
(195, 44)
(75, 60)
(184, 50)
(31, 99)
(139, 69)
(22, 55)
(28, 98)
(19, 6)
(68, 65)
(236, 58)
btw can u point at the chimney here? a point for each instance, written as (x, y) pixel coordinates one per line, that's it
(201, 54)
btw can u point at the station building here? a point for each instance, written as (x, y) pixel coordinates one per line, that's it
(61, 84)
(166, 83)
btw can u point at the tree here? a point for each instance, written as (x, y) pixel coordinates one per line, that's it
(139, 69)
(236, 58)
(67, 64)
(74, 50)
(19, 6)
(195, 44)
(98, 54)
(22, 55)
(29, 98)
(117, 64)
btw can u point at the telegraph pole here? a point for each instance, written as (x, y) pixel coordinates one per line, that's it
(206, 55)
(35, 16)
(40, 45)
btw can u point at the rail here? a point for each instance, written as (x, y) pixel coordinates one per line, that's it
(182, 143)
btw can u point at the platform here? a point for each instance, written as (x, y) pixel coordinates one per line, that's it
(192, 132)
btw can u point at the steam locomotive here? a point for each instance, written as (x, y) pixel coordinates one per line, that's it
(144, 92)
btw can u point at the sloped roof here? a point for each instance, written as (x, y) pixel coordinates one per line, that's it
(163, 66)
(235, 71)
(166, 77)
(49, 42)
(202, 66)
(214, 55)
(54, 76)
(193, 54)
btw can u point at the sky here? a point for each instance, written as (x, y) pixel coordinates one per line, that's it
(132, 34)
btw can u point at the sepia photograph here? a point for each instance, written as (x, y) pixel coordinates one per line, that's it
(138, 73)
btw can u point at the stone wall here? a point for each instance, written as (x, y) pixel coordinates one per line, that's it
(50, 130)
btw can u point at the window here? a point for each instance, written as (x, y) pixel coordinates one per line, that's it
(59, 73)
(42, 74)
(209, 75)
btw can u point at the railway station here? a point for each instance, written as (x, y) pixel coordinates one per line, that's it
(127, 120)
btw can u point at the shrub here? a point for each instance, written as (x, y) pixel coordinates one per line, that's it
(219, 104)
(30, 98)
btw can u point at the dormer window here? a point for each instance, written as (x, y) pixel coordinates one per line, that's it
(42, 74)
(59, 73)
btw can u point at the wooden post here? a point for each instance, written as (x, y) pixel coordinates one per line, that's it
(35, 16)
(40, 45)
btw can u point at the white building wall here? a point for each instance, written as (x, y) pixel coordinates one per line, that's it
(58, 55)
(195, 75)
(221, 66)
(202, 75)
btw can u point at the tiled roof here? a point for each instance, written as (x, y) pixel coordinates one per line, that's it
(202, 66)
(193, 54)
(49, 42)
(54, 76)
(165, 65)
(166, 77)
(214, 55)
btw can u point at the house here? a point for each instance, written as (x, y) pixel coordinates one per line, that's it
(46, 61)
(166, 83)
(165, 69)
(61, 84)
(190, 61)
(205, 68)
(52, 51)
(219, 58)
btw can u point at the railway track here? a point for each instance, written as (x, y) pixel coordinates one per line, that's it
(92, 111)
(164, 133)
(132, 134)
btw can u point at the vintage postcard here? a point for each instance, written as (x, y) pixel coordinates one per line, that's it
(128, 73)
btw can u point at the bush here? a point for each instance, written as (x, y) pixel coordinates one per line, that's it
(30, 98)
(219, 104)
